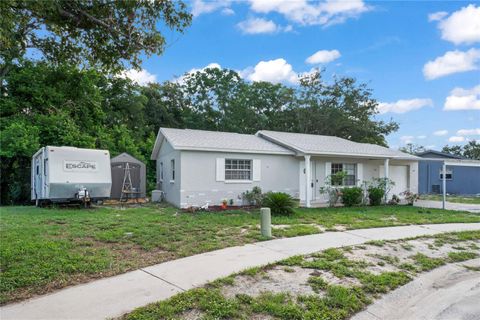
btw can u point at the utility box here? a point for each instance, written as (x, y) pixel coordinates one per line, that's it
(69, 174)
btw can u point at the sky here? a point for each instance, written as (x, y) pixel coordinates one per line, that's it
(421, 58)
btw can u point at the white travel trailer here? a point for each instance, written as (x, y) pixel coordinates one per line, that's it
(68, 174)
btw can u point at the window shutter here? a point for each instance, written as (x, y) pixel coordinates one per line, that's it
(359, 174)
(328, 169)
(257, 167)
(220, 169)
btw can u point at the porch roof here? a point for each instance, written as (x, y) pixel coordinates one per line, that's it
(331, 146)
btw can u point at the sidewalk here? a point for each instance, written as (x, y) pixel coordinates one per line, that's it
(111, 297)
(475, 208)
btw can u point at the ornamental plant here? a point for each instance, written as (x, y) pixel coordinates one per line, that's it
(352, 196)
(280, 203)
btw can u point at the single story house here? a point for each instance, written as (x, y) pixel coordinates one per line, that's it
(196, 167)
(462, 175)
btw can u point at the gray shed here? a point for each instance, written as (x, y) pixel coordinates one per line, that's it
(137, 173)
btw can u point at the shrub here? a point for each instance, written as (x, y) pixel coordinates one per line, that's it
(254, 197)
(280, 203)
(352, 196)
(375, 194)
(410, 197)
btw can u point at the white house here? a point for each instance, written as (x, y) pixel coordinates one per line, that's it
(196, 167)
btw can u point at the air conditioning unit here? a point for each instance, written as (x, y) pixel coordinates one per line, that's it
(435, 188)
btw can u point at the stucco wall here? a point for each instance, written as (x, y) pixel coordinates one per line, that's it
(199, 185)
(465, 180)
(171, 188)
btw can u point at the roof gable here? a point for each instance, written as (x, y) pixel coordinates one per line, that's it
(125, 157)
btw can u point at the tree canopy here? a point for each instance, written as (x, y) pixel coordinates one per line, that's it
(103, 34)
(47, 104)
(471, 150)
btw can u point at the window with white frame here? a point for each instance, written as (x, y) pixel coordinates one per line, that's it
(172, 168)
(448, 174)
(238, 169)
(351, 173)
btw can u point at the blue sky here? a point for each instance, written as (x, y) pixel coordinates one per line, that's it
(420, 58)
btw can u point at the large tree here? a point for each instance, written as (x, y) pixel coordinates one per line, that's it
(101, 33)
(471, 150)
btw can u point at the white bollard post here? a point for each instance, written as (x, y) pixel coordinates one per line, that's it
(266, 222)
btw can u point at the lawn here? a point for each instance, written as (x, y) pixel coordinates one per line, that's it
(47, 249)
(452, 198)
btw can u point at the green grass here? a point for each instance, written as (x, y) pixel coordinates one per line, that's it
(452, 198)
(47, 249)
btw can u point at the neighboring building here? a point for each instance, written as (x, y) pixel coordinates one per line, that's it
(197, 167)
(137, 176)
(462, 175)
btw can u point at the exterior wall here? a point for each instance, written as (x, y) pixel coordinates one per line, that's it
(465, 180)
(200, 185)
(171, 188)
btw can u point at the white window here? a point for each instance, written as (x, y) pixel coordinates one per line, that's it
(350, 169)
(448, 175)
(238, 169)
(161, 171)
(172, 167)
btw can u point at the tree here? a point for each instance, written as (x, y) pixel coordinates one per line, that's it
(412, 148)
(470, 151)
(344, 109)
(102, 33)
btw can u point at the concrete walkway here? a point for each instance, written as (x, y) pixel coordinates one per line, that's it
(475, 208)
(448, 292)
(114, 296)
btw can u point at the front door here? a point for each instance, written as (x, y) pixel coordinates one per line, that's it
(312, 186)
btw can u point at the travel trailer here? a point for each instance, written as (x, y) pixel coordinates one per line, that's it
(69, 174)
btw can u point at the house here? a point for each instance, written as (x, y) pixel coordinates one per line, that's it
(462, 175)
(196, 167)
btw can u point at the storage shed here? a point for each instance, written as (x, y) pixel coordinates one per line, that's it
(137, 174)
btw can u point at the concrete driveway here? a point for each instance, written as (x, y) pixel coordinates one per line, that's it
(475, 208)
(449, 292)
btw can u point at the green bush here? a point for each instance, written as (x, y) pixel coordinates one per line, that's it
(375, 194)
(280, 203)
(352, 196)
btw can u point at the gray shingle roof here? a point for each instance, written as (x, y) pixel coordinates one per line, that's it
(329, 145)
(188, 139)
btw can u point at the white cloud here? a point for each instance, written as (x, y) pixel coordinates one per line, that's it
(200, 7)
(141, 77)
(407, 139)
(452, 62)
(312, 13)
(456, 139)
(275, 71)
(463, 99)
(323, 56)
(422, 137)
(257, 25)
(212, 65)
(469, 132)
(228, 11)
(437, 16)
(462, 26)
(440, 133)
(403, 106)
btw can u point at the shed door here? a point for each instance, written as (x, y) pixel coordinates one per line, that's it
(118, 174)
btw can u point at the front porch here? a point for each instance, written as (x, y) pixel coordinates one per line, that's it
(315, 170)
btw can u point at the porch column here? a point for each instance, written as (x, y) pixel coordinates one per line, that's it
(308, 180)
(386, 168)
(444, 184)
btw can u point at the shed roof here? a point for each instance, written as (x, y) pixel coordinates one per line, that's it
(188, 139)
(330, 145)
(125, 157)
